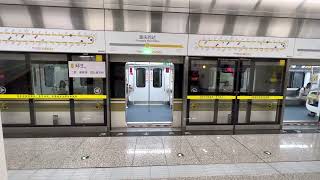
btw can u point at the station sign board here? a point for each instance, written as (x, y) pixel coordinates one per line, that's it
(307, 48)
(87, 69)
(51, 40)
(146, 43)
(240, 46)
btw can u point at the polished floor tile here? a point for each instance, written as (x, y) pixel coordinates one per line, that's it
(181, 155)
(153, 157)
(234, 150)
(175, 141)
(116, 157)
(154, 142)
(211, 155)
(122, 142)
(283, 147)
(34, 153)
(308, 170)
(200, 141)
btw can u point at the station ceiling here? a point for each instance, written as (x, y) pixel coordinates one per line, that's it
(274, 8)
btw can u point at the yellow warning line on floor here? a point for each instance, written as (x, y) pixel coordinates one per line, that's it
(260, 97)
(52, 97)
(209, 97)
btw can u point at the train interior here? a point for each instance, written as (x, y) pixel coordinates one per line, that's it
(301, 105)
(149, 92)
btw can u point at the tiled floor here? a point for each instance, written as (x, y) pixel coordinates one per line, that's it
(161, 156)
(34, 153)
(243, 171)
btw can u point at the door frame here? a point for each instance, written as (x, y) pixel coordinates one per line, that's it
(148, 83)
(308, 62)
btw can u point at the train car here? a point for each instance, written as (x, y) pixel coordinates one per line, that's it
(149, 90)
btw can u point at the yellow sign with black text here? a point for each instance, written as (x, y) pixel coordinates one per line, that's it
(211, 97)
(51, 97)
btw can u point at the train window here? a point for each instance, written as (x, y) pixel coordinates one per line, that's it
(157, 77)
(49, 76)
(141, 77)
(296, 79)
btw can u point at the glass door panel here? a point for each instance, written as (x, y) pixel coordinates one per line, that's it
(50, 77)
(235, 77)
(226, 77)
(224, 111)
(203, 76)
(211, 77)
(88, 111)
(268, 77)
(201, 111)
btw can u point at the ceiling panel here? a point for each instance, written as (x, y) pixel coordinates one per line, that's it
(15, 16)
(274, 8)
(61, 3)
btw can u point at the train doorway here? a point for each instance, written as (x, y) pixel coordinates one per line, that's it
(302, 96)
(149, 92)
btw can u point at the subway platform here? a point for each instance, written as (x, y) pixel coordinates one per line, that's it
(264, 156)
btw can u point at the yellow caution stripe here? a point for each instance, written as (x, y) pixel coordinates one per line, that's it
(260, 97)
(52, 97)
(163, 46)
(209, 97)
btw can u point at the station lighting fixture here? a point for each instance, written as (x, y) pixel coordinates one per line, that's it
(147, 50)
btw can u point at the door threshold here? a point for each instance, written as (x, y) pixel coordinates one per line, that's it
(150, 129)
(149, 125)
(161, 122)
(301, 121)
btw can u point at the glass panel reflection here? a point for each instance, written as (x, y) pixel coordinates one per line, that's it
(203, 76)
(268, 77)
(245, 77)
(201, 111)
(227, 73)
(50, 78)
(87, 112)
(14, 74)
(263, 111)
(224, 112)
(52, 113)
(243, 107)
(15, 112)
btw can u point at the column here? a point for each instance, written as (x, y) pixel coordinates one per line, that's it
(3, 166)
